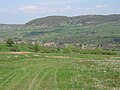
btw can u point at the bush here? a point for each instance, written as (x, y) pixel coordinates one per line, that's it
(10, 42)
(67, 49)
(98, 51)
(15, 48)
(36, 48)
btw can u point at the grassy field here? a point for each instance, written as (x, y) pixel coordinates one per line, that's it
(49, 71)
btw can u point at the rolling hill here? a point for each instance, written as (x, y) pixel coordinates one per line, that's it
(54, 21)
(86, 29)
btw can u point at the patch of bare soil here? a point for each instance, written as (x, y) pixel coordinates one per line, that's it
(14, 52)
(19, 52)
(115, 61)
(114, 57)
(57, 57)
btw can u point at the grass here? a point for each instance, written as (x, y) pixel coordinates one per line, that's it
(53, 71)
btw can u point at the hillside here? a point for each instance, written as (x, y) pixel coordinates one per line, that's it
(8, 30)
(55, 21)
(107, 34)
(49, 21)
(11, 26)
(86, 29)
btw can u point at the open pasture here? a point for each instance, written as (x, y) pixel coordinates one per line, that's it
(57, 71)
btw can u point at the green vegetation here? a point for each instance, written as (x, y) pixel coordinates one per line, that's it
(95, 30)
(61, 53)
(55, 21)
(10, 42)
(52, 71)
(106, 35)
(37, 67)
(45, 49)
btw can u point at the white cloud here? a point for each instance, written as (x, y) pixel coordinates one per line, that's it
(46, 10)
(43, 9)
(66, 9)
(29, 9)
(100, 6)
(61, 9)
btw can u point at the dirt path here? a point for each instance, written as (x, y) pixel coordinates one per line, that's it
(57, 57)
(15, 53)
(116, 61)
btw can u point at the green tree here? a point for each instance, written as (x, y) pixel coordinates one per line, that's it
(10, 42)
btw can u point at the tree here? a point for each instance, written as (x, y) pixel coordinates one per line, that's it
(10, 42)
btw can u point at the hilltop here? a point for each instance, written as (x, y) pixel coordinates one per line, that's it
(55, 21)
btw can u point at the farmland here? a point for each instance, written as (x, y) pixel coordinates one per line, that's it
(58, 71)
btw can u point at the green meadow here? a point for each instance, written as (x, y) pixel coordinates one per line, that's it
(59, 71)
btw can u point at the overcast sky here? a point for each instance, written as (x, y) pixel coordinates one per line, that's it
(21, 11)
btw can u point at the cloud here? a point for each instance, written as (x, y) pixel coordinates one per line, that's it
(67, 9)
(101, 6)
(60, 9)
(29, 9)
(39, 10)
(33, 9)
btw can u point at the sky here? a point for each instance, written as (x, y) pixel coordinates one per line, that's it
(22, 11)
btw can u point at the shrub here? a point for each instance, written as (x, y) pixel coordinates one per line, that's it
(68, 49)
(10, 42)
(15, 48)
(36, 48)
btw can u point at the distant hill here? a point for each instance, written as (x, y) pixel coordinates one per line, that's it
(9, 30)
(49, 21)
(87, 29)
(55, 21)
(11, 26)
